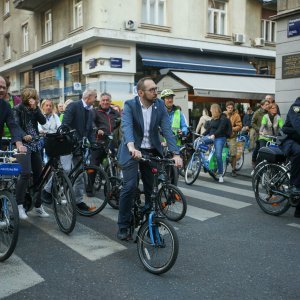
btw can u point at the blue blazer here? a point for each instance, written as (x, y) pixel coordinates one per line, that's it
(77, 117)
(133, 128)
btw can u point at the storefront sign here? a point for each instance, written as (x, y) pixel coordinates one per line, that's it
(293, 27)
(291, 66)
(116, 62)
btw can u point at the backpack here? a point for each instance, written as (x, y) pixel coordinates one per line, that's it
(228, 128)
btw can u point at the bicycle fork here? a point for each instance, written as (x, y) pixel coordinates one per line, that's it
(153, 228)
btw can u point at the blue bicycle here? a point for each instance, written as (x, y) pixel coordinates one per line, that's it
(204, 156)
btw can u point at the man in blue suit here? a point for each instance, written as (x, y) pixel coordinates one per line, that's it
(142, 118)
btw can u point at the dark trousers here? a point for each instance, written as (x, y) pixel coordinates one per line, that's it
(259, 144)
(31, 162)
(97, 157)
(130, 182)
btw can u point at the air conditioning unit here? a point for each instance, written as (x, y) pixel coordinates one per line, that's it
(259, 42)
(130, 25)
(239, 38)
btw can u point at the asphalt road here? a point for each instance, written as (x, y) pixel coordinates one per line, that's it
(229, 249)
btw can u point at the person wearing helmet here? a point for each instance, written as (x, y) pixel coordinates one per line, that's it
(177, 118)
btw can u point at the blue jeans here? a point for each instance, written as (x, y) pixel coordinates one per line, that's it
(219, 144)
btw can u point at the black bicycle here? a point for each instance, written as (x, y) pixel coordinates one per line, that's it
(63, 197)
(9, 216)
(94, 180)
(157, 241)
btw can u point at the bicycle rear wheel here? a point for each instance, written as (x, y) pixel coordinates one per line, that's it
(172, 202)
(63, 202)
(114, 195)
(94, 196)
(193, 169)
(160, 256)
(9, 225)
(269, 179)
(240, 161)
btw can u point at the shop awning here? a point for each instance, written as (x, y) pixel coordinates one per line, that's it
(202, 61)
(227, 86)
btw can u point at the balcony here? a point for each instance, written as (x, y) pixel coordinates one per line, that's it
(32, 5)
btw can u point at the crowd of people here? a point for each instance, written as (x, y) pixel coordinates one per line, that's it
(147, 123)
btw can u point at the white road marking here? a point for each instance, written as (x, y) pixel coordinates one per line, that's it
(294, 225)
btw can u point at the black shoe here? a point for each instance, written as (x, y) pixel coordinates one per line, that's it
(90, 194)
(83, 206)
(123, 234)
(297, 213)
(46, 197)
(233, 173)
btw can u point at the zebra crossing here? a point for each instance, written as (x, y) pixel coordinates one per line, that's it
(94, 245)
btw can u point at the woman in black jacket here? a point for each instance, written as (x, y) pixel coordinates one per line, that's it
(216, 133)
(28, 115)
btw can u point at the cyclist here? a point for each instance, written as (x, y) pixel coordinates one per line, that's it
(216, 134)
(236, 124)
(291, 147)
(106, 120)
(177, 118)
(28, 115)
(141, 119)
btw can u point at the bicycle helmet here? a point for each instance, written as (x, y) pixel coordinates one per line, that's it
(166, 93)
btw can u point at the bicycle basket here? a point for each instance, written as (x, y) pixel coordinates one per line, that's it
(58, 144)
(198, 144)
(271, 155)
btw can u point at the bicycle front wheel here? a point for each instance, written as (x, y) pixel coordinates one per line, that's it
(172, 202)
(193, 169)
(9, 225)
(157, 256)
(63, 202)
(240, 161)
(94, 194)
(270, 179)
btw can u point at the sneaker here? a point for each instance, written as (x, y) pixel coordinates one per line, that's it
(221, 180)
(46, 197)
(83, 206)
(41, 212)
(22, 213)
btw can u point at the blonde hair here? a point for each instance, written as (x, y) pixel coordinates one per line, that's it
(44, 102)
(28, 93)
(215, 111)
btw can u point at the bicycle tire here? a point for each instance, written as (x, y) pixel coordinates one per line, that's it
(9, 225)
(185, 155)
(172, 202)
(98, 200)
(269, 178)
(114, 195)
(172, 172)
(63, 202)
(193, 169)
(240, 162)
(160, 257)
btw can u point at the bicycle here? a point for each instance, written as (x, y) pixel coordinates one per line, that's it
(9, 216)
(204, 156)
(271, 184)
(157, 241)
(63, 197)
(94, 196)
(243, 142)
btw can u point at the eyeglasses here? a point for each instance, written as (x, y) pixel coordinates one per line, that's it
(153, 90)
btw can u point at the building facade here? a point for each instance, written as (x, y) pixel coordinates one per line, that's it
(207, 50)
(288, 53)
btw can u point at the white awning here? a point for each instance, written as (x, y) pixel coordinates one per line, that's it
(228, 86)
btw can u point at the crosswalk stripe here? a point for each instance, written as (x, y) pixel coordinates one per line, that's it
(110, 213)
(83, 240)
(214, 199)
(200, 213)
(294, 225)
(18, 276)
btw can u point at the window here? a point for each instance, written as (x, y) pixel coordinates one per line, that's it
(154, 12)
(77, 14)
(48, 26)
(25, 37)
(217, 17)
(268, 31)
(7, 52)
(6, 7)
(26, 79)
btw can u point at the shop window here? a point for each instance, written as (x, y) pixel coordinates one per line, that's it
(268, 30)
(74, 81)
(48, 26)
(154, 12)
(26, 80)
(217, 17)
(77, 14)
(48, 80)
(7, 49)
(25, 37)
